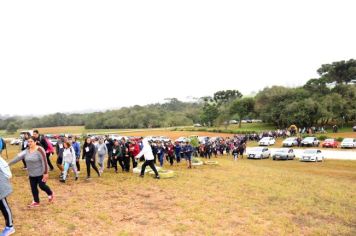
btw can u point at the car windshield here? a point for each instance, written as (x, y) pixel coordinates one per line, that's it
(257, 149)
(284, 150)
(329, 140)
(310, 151)
(290, 139)
(309, 139)
(348, 140)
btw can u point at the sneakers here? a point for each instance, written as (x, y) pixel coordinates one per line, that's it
(51, 198)
(76, 178)
(62, 180)
(8, 231)
(34, 204)
(141, 176)
(88, 178)
(157, 177)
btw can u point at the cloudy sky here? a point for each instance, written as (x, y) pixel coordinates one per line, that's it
(63, 56)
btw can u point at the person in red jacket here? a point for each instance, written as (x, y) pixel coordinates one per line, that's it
(170, 152)
(134, 150)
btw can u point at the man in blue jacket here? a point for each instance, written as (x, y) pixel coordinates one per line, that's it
(177, 149)
(76, 147)
(188, 150)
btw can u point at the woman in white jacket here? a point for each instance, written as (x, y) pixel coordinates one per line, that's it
(5, 190)
(69, 160)
(149, 158)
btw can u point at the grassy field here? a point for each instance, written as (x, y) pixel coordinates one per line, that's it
(247, 197)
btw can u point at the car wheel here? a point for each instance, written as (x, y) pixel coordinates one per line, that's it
(261, 157)
(274, 158)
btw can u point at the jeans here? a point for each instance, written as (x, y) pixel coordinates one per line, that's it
(37, 181)
(101, 162)
(67, 165)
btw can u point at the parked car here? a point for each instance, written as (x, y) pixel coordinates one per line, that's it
(231, 122)
(354, 128)
(182, 140)
(284, 154)
(267, 141)
(16, 141)
(54, 141)
(310, 141)
(330, 143)
(290, 142)
(258, 153)
(312, 155)
(197, 125)
(348, 143)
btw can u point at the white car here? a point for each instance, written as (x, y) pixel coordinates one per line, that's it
(348, 143)
(314, 155)
(310, 141)
(181, 139)
(290, 142)
(258, 153)
(16, 141)
(284, 154)
(267, 141)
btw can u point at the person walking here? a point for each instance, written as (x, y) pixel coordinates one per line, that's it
(41, 141)
(170, 152)
(89, 156)
(76, 147)
(149, 158)
(188, 150)
(24, 146)
(37, 167)
(160, 153)
(102, 151)
(69, 160)
(177, 150)
(116, 156)
(5, 191)
(109, 146)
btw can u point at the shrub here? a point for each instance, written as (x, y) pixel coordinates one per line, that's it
(322, 137)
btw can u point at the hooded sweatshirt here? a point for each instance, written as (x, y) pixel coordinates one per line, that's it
(146, 151)
(5, 175)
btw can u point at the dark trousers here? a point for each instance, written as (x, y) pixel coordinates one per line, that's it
(77, 163)
(35, 182)
(121, 163)
(171, 158)
(91, 163)
(127, 164)
(49, 161)
(151, 164)
(114, 163)
(178, 156)
(6, 212)
(110, 160)
(134, 162)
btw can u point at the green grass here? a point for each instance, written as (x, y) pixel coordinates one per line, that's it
(247, 197)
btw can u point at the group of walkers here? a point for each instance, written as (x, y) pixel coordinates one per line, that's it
(36, 152)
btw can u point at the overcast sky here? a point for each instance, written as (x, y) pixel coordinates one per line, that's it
(63, 56)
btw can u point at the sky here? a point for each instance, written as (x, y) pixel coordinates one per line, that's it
(70, 56)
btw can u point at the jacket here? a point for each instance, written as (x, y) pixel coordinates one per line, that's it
(5, 175)
(146, 151)
(88, 151)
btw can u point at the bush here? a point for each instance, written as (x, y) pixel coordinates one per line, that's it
(339, 139)
(322, 137)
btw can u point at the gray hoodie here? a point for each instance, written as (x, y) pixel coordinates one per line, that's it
(5, 175)
(101, 149)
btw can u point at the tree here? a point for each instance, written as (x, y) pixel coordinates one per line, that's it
(12, 127)
(209, 114)
(225, 96)
(339, 72)
(242, 107)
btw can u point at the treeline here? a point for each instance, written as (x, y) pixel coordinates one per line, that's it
(172, 113)
(329, 99)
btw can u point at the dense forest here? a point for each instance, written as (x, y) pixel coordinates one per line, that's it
(331, 98)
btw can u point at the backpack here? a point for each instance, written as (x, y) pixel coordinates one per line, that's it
(50, 148)
(2, 144)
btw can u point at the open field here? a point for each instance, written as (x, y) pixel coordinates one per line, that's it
(247, 197)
